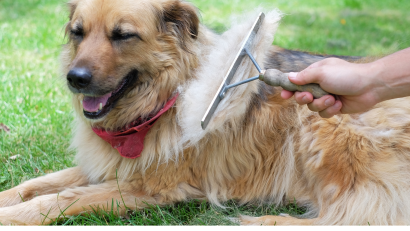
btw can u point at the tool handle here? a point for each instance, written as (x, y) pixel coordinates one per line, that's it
(275, 77)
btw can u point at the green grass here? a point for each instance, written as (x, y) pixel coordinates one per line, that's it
(189, 213)
(34, 102)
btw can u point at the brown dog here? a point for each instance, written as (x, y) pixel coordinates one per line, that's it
(132, 66)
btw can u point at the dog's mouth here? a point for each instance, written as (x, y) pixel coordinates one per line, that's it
(96, 107)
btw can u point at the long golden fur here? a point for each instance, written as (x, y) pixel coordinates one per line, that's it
(350, 169)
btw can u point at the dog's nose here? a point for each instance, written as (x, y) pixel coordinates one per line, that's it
(79, 77)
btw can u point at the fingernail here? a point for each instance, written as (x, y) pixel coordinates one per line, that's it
(328, 102)
(305, 99)
(293, 75)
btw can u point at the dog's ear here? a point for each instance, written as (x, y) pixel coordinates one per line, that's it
(181, 17)
(72, 5)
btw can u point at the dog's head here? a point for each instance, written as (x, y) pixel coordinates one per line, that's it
(125, 58)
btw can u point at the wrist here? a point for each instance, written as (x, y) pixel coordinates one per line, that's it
(376, 81)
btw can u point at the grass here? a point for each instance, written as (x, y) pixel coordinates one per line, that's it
(34, 103)
(188, 213)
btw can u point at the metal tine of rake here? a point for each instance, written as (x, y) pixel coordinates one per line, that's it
(248, 41)
(247, 52)
(272, 77)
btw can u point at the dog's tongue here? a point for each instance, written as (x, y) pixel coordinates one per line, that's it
(92, 104)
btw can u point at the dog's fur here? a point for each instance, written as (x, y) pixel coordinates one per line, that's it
(350, 169)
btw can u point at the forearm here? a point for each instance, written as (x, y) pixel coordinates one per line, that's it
(358, 86)
(391, 75)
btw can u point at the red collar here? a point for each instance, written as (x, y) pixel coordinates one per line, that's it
(130, 143)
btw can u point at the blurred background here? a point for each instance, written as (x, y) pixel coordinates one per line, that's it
(35, 111)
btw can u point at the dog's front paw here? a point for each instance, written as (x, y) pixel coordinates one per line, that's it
(282, 219)
(5, 217)
(248, 220)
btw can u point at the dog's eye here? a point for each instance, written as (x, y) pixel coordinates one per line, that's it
(77, 32)
(119, 36)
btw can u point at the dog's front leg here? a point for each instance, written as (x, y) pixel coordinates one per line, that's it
(106, 196)
(51, 183)
(282, 219)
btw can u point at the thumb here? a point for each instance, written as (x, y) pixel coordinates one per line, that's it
(309, 75)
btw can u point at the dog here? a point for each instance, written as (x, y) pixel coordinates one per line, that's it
(143, 72)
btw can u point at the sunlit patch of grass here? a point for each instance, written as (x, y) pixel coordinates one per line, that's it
(33, 102)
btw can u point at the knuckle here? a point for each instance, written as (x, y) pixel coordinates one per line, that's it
(332, 60)
(316, 64)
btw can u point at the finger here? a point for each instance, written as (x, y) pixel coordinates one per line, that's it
(303, 97)
(309, 75)
(322, 103)
(286, 94)
(317, 64)
(331, 111)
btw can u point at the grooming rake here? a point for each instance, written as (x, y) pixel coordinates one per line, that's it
(271, 77)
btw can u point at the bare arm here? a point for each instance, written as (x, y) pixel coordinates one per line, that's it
(394, 72)
(358, 86)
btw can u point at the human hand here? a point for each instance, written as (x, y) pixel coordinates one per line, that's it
(354, 87)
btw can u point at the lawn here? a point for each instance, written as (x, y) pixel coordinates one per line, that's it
(35, 107)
